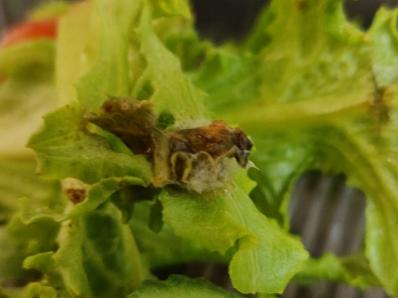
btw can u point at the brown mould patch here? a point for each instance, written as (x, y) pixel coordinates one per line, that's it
(131, 120)
(217, 140)
(74, 189)
(75, 195)
(177, 154)
(379, 106)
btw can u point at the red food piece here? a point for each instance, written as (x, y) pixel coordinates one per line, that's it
(30, 30)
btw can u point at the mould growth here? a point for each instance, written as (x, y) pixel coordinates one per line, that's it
(199, 159)
(74, 189)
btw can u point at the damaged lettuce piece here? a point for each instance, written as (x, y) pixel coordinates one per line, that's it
(121, 191)
(199, 159)
(93, 262)
(180, 286)
(88, 198)
(133, 121)
(170, 91)
(261, 245)
(66, 148)
(312, 90)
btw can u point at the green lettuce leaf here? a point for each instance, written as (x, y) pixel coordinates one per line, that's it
(92, 261)
(66, 148)
(280, 160)
(334, 87)
(99, 193)
(49, 10)
(39, 290)
(370, 166)
(18, 180)
(173, 92)
(22, 103)
(324, 94)
(21, 239)
(110, 73)
(353, 270)
(179, 286)
(312, 90)
(76, 38)
(10, 293)
(197, 218)
(164, 248)
(229, 77)
(227, 219)
(27, 58)
(25, 201)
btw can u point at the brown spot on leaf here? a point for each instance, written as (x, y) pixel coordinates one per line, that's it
(75, 195)
(378, 107)
(131, 120)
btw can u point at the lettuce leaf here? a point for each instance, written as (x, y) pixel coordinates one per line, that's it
(164, 247)
(18, 180)
(312, 90)
(93, 262)
(39, 290)
(23, 196)
(332, 87)
(110, 73)
(353, 270)
(66, 148)
(227, 219)
(28, 57)
(98, 193)
(180, 286)
(21, 239)
(75, 52)
(22, 103)
(172, 90)
(323, 93)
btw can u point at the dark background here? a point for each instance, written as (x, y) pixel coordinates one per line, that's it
(233, 18)
(327, 215)
(217, 19)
